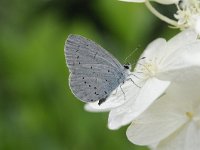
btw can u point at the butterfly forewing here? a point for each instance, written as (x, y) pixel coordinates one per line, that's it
(94, 72)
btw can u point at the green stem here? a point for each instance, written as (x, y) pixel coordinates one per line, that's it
(159, 15)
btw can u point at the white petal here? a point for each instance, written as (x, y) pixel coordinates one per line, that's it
(166, 115)
(186, 56)
(192, 54)
(197, 24)
(155, 124)
(180, 62)
(187, 74)
(186, 138)
(178, 41)
(183, 97)
(153, 146)
(154, 49)
(136, 104)
(94, 107)
(153, 128)
(109, 104)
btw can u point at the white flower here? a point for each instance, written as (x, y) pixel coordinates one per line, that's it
(173, 121)
(197, 23)
(188, 15)
(162, 63)
(166, 2)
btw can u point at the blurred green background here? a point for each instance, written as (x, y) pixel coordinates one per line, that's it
(37, 109)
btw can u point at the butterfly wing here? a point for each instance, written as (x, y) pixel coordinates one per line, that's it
(94, 72)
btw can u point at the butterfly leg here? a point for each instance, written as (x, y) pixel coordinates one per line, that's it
(134, 75)
(133, 82)
(122, 91)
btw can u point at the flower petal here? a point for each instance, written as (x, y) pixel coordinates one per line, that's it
(177, 42)
(165, 115)
(136, 104)
(197, 24)
(186, 138)
(154, 125)
(192, 54)
(185, 56)
(154, 48)
(184, 62)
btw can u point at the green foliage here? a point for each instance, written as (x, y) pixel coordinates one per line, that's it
(37, 108)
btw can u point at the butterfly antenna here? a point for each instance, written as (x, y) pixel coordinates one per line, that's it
(131, 54)
(134, 63)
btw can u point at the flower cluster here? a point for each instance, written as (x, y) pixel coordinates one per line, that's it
(163, 106)
(187, 15)
(173, 121)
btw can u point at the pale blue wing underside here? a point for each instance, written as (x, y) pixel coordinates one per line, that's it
(95, 73)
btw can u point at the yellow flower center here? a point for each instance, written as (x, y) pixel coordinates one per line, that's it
(148, 69)
(190, 115)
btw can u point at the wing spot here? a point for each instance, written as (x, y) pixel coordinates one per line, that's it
(106, 80)
(85, 82)
(95, 87)
(105, 92)
(79, 63)
(77, 50)
(83, 78)
(108, 70)
(95, 55)
(89, 85)
(91, 67)
(87, 45)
